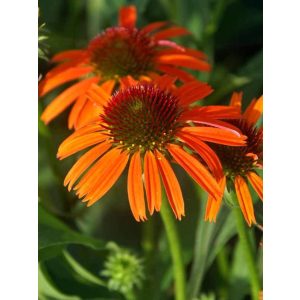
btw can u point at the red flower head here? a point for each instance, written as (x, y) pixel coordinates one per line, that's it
(149, 125)
(116, 54)
(240, 163)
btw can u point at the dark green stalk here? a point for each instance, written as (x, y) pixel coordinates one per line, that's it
(175, 249)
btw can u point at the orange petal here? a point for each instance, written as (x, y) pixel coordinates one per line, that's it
(211, 122)
(69, 55)
(170, 32)
(257, 183)
(135, 188)
(201, 91)
(82, 131)
(108, 86)
(98, 95)
(75, 112)
(183, 60)
(213, 204)
(66, 98)
(254, 111)
(127, 81)
(107, 178)
(173, 71)
(165, 81)
(153, 26)
(217, 135)
(205, 152)
(171, 185)
(236, 100)
(127, 16)
(49, 83)
(196, 170)
(245, 200)
(79, 143)
(195, 53)
(83, 163)
(212, 111)
(89, 114)
(152, 182)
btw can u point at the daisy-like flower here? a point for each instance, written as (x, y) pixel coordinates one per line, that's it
(149, 124)
(241, 163)
(112, 56)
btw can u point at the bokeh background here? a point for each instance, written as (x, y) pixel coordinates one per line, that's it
(72, 238)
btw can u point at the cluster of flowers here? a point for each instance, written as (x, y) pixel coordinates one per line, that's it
(134, 103)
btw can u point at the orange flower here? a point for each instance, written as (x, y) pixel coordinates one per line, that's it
(148, 125)
(240, 163)
(110, 57)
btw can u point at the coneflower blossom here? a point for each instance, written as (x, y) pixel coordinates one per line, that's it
(149, 124)
(240, 163)
(112, 56)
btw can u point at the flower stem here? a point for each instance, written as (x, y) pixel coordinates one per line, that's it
(175, 249)
(249, 256)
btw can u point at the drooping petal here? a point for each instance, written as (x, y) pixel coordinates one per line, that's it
(127, 16)
(213, 204)
(79, 143)
(254, 111)
(257, 183)
(205, 152)
(195, 169)
(50, 83)
(107, 178)
(183, 60)
(170, 32)
(217, 135)
(75, 112)
(152, 182)
(135, 188)
(66, 98)
(171, 185)
(84, 162)
(245, 200)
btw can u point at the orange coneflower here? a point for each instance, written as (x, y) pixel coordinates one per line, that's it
(240, 163)
(149, 124)
(110, 57)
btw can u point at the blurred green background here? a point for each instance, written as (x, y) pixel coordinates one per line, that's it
(72, 238)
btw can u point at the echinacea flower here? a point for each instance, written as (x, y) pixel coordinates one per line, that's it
(148, 124)
(112, 56)
(241, 163)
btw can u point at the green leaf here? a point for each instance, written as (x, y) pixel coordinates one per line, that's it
(55, 235)
(82, 271)
(239, 285)
(47, 290)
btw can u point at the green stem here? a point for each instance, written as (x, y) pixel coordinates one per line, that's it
(175, 249)
(249, 255)
(203, 239)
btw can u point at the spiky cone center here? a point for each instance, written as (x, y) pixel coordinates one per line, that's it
(142, 117)
(120, 51)
(241, 160)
